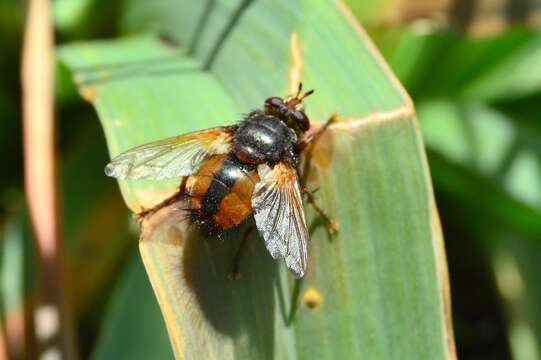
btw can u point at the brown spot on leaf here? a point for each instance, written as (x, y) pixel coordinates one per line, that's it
(318, 157)
(322, 152)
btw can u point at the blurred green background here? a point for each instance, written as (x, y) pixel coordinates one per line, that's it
(474, 74)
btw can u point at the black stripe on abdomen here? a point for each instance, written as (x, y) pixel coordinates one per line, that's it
(231, 171)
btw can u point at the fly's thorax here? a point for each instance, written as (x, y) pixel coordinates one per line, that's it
(263, 138)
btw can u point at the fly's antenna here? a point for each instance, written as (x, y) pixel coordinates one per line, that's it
(306, 94)
(298, 98)
(299, 90)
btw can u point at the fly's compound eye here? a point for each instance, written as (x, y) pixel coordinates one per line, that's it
(301, 119)
(274, 102)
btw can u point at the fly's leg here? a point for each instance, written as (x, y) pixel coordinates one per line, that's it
(316, 134)
(295, 78)
(332, 225)
(145, 213)
(235, 271)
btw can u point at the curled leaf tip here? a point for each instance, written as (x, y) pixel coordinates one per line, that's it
(88, 93)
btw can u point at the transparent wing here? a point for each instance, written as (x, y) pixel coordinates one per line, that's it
(279, 215)
(173, 157)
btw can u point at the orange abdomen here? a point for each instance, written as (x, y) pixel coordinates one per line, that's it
(220, 194)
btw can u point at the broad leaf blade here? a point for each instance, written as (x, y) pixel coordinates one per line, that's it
(379, 288)
(132, 328)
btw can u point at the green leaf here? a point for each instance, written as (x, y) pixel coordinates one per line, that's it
(133, 327)
(17, 266)
(516, 267)
(96, 239)
(432, 62)
(379, 288)
(480, 152)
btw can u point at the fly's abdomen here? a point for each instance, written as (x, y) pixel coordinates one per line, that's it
(220, 193)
